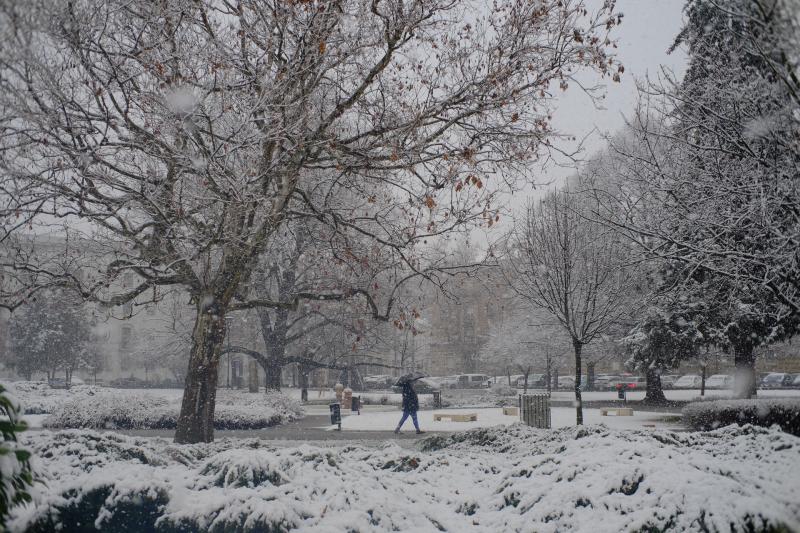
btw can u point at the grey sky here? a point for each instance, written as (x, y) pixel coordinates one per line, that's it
(648, 29)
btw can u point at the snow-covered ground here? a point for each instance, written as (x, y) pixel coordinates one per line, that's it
(515, 478)
(489, 417)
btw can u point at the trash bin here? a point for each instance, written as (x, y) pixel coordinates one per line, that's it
(336, 414)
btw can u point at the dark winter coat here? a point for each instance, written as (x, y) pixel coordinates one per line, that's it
(410, 400)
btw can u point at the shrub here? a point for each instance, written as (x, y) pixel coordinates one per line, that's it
(15, 469)
(141, 410)
(784, 412)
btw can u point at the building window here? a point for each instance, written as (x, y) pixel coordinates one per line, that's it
(125, 336)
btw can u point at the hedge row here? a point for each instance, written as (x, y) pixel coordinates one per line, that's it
(784, 412)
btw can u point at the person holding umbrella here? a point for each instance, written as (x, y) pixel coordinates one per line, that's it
(410, 401)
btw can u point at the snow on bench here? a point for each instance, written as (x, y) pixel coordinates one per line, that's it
(618, 411)
(456, 417)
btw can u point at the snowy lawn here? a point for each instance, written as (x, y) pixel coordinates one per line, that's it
(515, 478)
(561, 417)
(85, 406)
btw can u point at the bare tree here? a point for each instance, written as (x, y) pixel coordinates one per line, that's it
(186, 133)
(571, 267)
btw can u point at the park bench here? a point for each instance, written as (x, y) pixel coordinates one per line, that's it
(618, 411)
(456, 417)
(511, 411)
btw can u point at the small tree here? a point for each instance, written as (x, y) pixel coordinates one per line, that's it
(573, 268)
(52, 333)
(522, 341)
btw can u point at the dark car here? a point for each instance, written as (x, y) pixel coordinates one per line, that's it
(422, 386)
(58, 383)
(128, 383)
(777, 380)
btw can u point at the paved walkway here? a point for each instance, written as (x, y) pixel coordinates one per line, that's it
(308, 430)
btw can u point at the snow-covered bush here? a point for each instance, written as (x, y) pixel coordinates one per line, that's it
(15, 470)
(114, 411)
(785, 412)
(146, 410)
(586, 479)
(37, 397)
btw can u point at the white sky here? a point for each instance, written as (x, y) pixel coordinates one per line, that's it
(647, 31)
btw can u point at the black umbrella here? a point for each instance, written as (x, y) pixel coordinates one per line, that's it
(408, 378)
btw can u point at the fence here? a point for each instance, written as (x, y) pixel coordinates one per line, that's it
(534, 410)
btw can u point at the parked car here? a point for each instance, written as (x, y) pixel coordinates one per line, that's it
(604, 381)
(473, 381)
(689, 381)
(382, 381)
(422, 386)
(568, 382)
(129, 383)
(668, 380)
(796, 381)
(777, 380)
(631, 382)
(535, 381)
(505, 380)
(58, 383)
(449, 382)
(719, 381)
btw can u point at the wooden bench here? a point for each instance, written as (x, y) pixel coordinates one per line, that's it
(456, 417)
(618, 411)
(511, 411)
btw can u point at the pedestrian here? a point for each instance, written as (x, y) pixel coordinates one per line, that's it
(410, 406)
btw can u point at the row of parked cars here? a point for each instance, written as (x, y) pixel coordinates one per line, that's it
(567, 382)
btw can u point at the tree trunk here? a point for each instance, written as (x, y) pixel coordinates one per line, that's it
(745, 385)
(525, 388)
(703, 379)
(273, 370)
(654, 393)
(196, 420)
(303, 383)
(578, 401)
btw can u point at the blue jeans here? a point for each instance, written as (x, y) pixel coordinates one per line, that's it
(413, 419)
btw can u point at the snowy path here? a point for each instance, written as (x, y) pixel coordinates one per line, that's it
(561, 417)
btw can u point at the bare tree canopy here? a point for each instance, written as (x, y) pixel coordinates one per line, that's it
(187, 132)
(573, 268)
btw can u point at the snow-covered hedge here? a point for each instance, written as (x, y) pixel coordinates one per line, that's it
(589, 479)
(115, 410)
(37, 397)
(785, 412)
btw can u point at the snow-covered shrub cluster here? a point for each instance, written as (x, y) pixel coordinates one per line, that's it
(141, 410)
(507, 479)
(784, 412)
(37, 397)
(84, 406)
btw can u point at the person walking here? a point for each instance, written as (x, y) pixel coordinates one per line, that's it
(410, 406)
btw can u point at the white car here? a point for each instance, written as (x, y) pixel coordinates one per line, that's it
(719, 381)
(689, 381)
(473, 381)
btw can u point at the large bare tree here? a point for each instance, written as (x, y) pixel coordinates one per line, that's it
(187, 132)
(573, 268)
